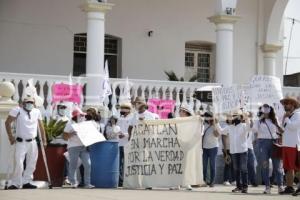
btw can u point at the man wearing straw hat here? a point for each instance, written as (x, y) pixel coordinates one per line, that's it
(123, 123)
(290, 142)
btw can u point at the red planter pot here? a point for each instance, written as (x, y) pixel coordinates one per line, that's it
(55, 161)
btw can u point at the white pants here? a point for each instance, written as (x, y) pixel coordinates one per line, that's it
(30, 150)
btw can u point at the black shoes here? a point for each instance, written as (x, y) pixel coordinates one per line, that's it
(29, 186)
(297, 192)
(287, 190)
(12, 187)
(236, 190)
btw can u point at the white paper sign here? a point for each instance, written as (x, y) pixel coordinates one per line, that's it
(226, 99)
(164, 153)
(265, 89)
(88, 133)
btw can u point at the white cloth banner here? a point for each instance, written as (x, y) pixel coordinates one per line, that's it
(227, 99)
(164, 153)
(265, 89)
(88, 133)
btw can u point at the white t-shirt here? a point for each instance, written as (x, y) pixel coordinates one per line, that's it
(291, 135)
(250, 140)
(262, 130)
(26, 126)
(209, 139)
(123, 123)
(237, 136)
(73, 141)
(145, 115)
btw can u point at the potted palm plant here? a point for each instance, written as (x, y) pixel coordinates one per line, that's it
(54, 153)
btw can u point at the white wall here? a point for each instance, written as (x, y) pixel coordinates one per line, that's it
(36, 36)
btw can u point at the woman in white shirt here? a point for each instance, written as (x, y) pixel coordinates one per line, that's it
(267, 128)
(237, 133)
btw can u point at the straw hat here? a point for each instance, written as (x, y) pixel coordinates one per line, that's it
(126, 106)
(290, 100)
(28, 99)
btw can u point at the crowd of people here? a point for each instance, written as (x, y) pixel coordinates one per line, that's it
(242, 138)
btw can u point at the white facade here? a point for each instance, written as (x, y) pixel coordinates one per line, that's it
(36, 36)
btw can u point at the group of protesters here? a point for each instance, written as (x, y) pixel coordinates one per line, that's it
(239, 136)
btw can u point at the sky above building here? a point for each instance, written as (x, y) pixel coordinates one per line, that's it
(291, 62)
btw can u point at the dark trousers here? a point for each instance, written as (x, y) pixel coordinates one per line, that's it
(121, 166)
(240, 169)
(211, 155)
(251, 167)
(229, 171)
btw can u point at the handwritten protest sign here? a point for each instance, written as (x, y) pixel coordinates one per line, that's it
(265, 89)
(161, 107)
(162, 153)
(87, 133)
(66, 92)
(226, 99)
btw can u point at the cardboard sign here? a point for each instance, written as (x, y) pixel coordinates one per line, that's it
(66, 92)
(226, 99)
(87, 133)
(265, 89)
(161, 107)
(162, 153)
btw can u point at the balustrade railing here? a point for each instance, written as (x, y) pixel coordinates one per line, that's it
(181, 92)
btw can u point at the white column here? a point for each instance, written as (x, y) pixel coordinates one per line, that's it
(224, 47)
(270, 54)
(95, 47)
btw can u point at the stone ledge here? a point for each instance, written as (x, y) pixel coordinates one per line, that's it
(224, 19)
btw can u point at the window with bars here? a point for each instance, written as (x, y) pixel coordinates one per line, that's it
(198, 62)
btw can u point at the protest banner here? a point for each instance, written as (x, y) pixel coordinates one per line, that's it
(226, 99)
(265, 89)
(66, 92)
(88, 133)
(164, 153)
(162, 107)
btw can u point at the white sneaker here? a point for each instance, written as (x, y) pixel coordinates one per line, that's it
(74, 185)
(226, 183)
(267, 190)
(280, 189)
(90, 186)
(175, 188)
(189, 187)
(66, 182)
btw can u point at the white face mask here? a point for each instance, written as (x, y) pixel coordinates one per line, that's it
(62, 112)
(266, 110)
(28, 106)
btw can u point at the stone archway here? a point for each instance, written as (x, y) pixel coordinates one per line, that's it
(275, 22)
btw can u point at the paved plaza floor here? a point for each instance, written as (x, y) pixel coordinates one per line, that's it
(218, 192)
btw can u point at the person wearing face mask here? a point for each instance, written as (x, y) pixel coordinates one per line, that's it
(62, 112)
(27, 118)
(210, 144)
(123, 123)
(237, 134)
(77, 150)
(267, 129)
(91, 115)
(290, 143)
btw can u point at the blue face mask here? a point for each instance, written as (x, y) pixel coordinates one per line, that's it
(28, 106)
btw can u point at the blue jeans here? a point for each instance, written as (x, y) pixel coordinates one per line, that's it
(82, 153)
(251, 167)
(265, 153)
(210, 154)
(228, 170)
(240, 169)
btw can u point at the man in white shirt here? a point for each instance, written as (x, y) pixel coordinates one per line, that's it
(123, 122)
(141, 114)
(27, 118)
(210, 144)
(237, 133)
(290, 142)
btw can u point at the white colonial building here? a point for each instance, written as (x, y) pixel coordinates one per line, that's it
(219, 41)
